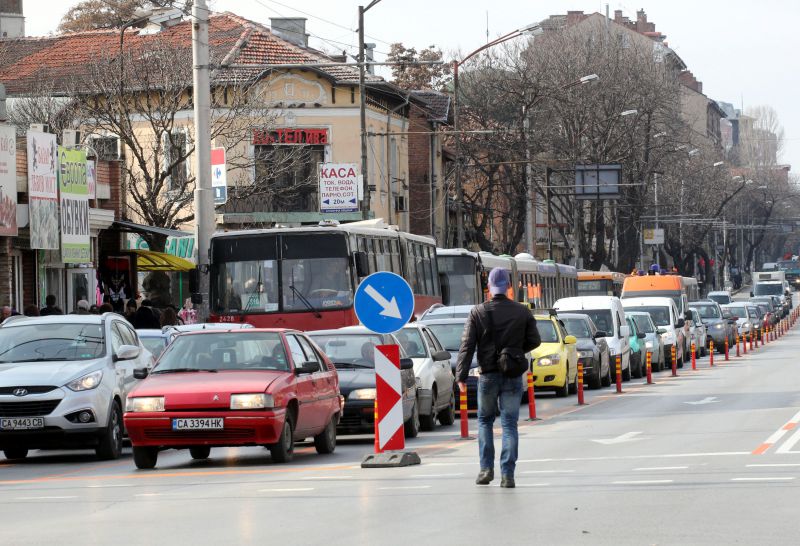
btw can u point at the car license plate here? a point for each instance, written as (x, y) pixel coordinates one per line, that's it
(21, 423)
(199, 423)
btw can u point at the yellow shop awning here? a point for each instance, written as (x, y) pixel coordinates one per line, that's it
(149, 260)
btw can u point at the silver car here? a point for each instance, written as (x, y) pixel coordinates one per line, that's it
(653, 342)
(63, 382)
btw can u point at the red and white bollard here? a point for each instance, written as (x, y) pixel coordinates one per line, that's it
(738, 354)
(694, 356)
(389, 433)
(711, 353)
(727, 357)
(649, 368)
(619, 373)
(531, 399)
(580, 383)
(751, 336)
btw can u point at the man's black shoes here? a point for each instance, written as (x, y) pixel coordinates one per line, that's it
(485, 476)
(507, 482)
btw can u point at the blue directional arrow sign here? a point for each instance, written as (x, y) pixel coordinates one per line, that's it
(384, 302)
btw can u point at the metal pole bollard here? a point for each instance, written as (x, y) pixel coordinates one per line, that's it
(463, 414)
(674, 361)
(531, 398)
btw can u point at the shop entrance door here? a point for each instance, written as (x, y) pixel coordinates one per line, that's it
(81, 285)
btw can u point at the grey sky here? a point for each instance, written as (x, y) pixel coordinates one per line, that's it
(741, 51)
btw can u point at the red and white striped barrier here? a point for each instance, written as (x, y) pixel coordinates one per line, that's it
(388, 399)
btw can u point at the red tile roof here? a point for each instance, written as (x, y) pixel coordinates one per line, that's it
(233, 40)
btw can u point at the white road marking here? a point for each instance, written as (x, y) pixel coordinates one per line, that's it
(437, 475)
(772, 465)
(548, 471)
(401, 487)
(641, 482)
(286, 490)
(627, 437)
(778, 434)
(656, 468)
(47, 498)
(787, 446)
(635, 457)
(764, 479)
(328, 478)
(706, 400)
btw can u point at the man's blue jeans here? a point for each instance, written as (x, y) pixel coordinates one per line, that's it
(494, 386)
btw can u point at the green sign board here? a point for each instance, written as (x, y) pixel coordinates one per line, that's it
(73, 194)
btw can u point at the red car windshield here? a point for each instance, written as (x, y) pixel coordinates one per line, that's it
(222, 351)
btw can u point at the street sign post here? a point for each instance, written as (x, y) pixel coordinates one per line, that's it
(384, 303)
(219, 176)
(338, 187)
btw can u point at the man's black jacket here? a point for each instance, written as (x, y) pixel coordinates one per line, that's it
(514, 326)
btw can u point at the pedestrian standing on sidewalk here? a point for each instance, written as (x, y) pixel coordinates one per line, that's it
(502, 331)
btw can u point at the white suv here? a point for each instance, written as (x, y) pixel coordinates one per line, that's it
(63, 382)
(433, 373)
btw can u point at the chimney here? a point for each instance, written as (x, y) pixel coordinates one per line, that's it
(617, 15)
(291, 29)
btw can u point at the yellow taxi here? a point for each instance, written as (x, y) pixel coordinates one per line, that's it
(555, 362)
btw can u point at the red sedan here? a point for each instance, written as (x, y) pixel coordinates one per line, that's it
(234, 388)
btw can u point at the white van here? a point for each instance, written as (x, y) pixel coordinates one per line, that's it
(608, 315)
(669, 321)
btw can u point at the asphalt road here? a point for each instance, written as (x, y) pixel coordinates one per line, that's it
(709, 457)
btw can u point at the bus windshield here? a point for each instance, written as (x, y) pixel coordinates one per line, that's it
(279, 273)
(459, 279)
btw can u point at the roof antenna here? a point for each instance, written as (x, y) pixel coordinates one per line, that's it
(487, 25)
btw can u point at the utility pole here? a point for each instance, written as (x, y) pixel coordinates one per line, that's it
(362, 93)
(530, 245)
(205, 219)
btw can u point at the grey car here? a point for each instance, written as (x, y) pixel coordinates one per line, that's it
(653, 342)
(63, 382)
(718, 328)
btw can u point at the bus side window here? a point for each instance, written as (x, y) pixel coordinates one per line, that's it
(411, 266)
(435, 288)
(380, 255)
(395, 253)
(428, 268)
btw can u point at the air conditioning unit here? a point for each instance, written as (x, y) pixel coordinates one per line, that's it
(70, 138)
(40, 127)
(107, 148)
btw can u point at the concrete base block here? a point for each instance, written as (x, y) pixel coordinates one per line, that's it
(390, 459)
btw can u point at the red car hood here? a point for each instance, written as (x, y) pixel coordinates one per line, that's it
(204, 389)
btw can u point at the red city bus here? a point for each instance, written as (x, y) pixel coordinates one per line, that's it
(305, 278)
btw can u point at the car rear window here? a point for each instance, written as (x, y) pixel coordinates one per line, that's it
(643, 324)
(659, 314)
(449, 335)
(349, 349)
(577, 327)
(50, 342)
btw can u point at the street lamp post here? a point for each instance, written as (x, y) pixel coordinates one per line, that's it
(533, 30)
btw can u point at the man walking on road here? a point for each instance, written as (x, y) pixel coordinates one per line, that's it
(494, 326)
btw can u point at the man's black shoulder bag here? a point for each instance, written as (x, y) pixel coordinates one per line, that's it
(511, 361)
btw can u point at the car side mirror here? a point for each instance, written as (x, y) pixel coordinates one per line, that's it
(687, 315)
(624, 331)
(406, 364)
(126, 352)
(662, 330)
(442, 355)
(362, 263)
(599, 334)
(681, 323)
(570, 340)
(306, 368)
(641, 335)
(140, 373)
